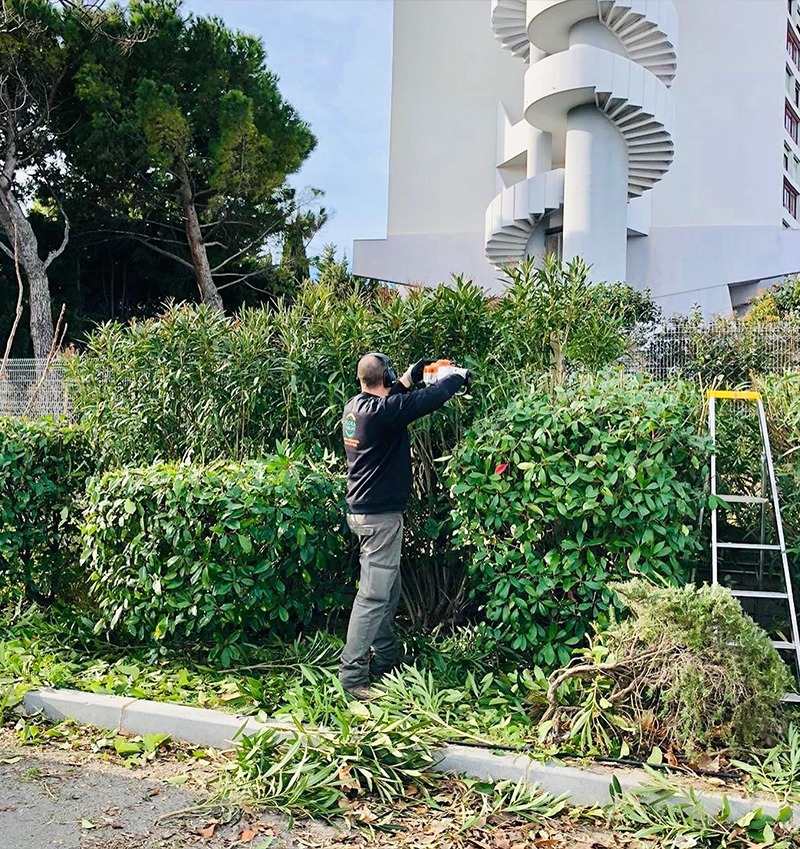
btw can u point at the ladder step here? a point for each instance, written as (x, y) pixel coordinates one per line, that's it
(757, 594)
(744, 499)
(740, 395)
(750, 546)
(782, 645)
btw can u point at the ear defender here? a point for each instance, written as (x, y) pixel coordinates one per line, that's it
(389, 374)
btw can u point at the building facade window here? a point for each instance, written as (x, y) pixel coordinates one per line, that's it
(792, 123)
(792, 45)
(789, 199)
(554, 243)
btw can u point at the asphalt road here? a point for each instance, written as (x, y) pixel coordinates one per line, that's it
(67, 799)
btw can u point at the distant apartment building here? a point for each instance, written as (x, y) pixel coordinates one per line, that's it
(658, 139)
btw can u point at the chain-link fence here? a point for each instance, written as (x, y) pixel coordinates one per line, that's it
(30, 388)
(728, 349)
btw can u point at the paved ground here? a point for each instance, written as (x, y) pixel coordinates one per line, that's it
(59, 795)
(67, 799)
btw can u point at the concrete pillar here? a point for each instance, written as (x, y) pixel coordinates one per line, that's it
(596, 194)
(596, 177)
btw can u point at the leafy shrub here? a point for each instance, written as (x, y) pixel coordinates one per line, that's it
(193, 384)
(212, 555)
(43, 467)
(560, 493)
(780, 301)
(552, 316)
(190, 384)
(687, 671)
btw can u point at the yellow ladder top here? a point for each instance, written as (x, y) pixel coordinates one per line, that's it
(740, 395)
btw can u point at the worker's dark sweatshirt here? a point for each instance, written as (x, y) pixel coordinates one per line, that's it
(376, 442)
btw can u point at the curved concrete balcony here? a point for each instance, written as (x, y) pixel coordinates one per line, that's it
(508, 26)
(513, 215)
(646, 29)
(633, 99)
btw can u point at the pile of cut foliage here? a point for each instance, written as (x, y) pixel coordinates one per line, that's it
(688, 673)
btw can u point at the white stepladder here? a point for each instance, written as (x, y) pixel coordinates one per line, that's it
(768, 497)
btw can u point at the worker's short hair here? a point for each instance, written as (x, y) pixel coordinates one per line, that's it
(372, 370)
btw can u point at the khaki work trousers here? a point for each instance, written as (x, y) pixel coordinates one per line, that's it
(371, 626)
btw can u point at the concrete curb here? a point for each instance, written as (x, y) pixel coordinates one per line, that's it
(203, 727)
(198, 726)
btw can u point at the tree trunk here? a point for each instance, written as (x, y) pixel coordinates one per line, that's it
(21, 237)
(194, 235)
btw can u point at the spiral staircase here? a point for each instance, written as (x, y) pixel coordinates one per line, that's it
(629, 86)
(514, 213)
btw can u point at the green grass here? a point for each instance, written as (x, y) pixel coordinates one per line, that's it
(455, 686)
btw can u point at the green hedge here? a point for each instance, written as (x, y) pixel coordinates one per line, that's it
(43, 468)
(212, 555)
(563, 491)
(195, 384)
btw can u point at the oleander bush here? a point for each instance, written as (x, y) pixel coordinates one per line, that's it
(182, 554)
(565, 490)
(192, 384)
(43, 468)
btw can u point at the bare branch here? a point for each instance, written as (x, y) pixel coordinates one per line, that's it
(161, 251)
(55, 347)
(241, 279)
(47, 107)
(53, 255)
(245, 249)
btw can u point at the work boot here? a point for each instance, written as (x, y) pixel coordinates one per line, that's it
(362, 692)
(402, 661)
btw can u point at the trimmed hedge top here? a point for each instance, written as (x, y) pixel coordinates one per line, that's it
(209, 555)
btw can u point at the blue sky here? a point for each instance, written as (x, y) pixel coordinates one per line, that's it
(334, 59)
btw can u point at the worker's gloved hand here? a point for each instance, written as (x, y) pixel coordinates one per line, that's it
(467, 375)
(417, 371)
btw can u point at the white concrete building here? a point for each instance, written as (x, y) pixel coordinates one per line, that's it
(658, 139)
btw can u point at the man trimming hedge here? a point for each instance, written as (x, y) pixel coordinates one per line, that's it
(375, 428)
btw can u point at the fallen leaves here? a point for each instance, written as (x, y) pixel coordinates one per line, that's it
(208, 830)
(265, 831)
(449, 824)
